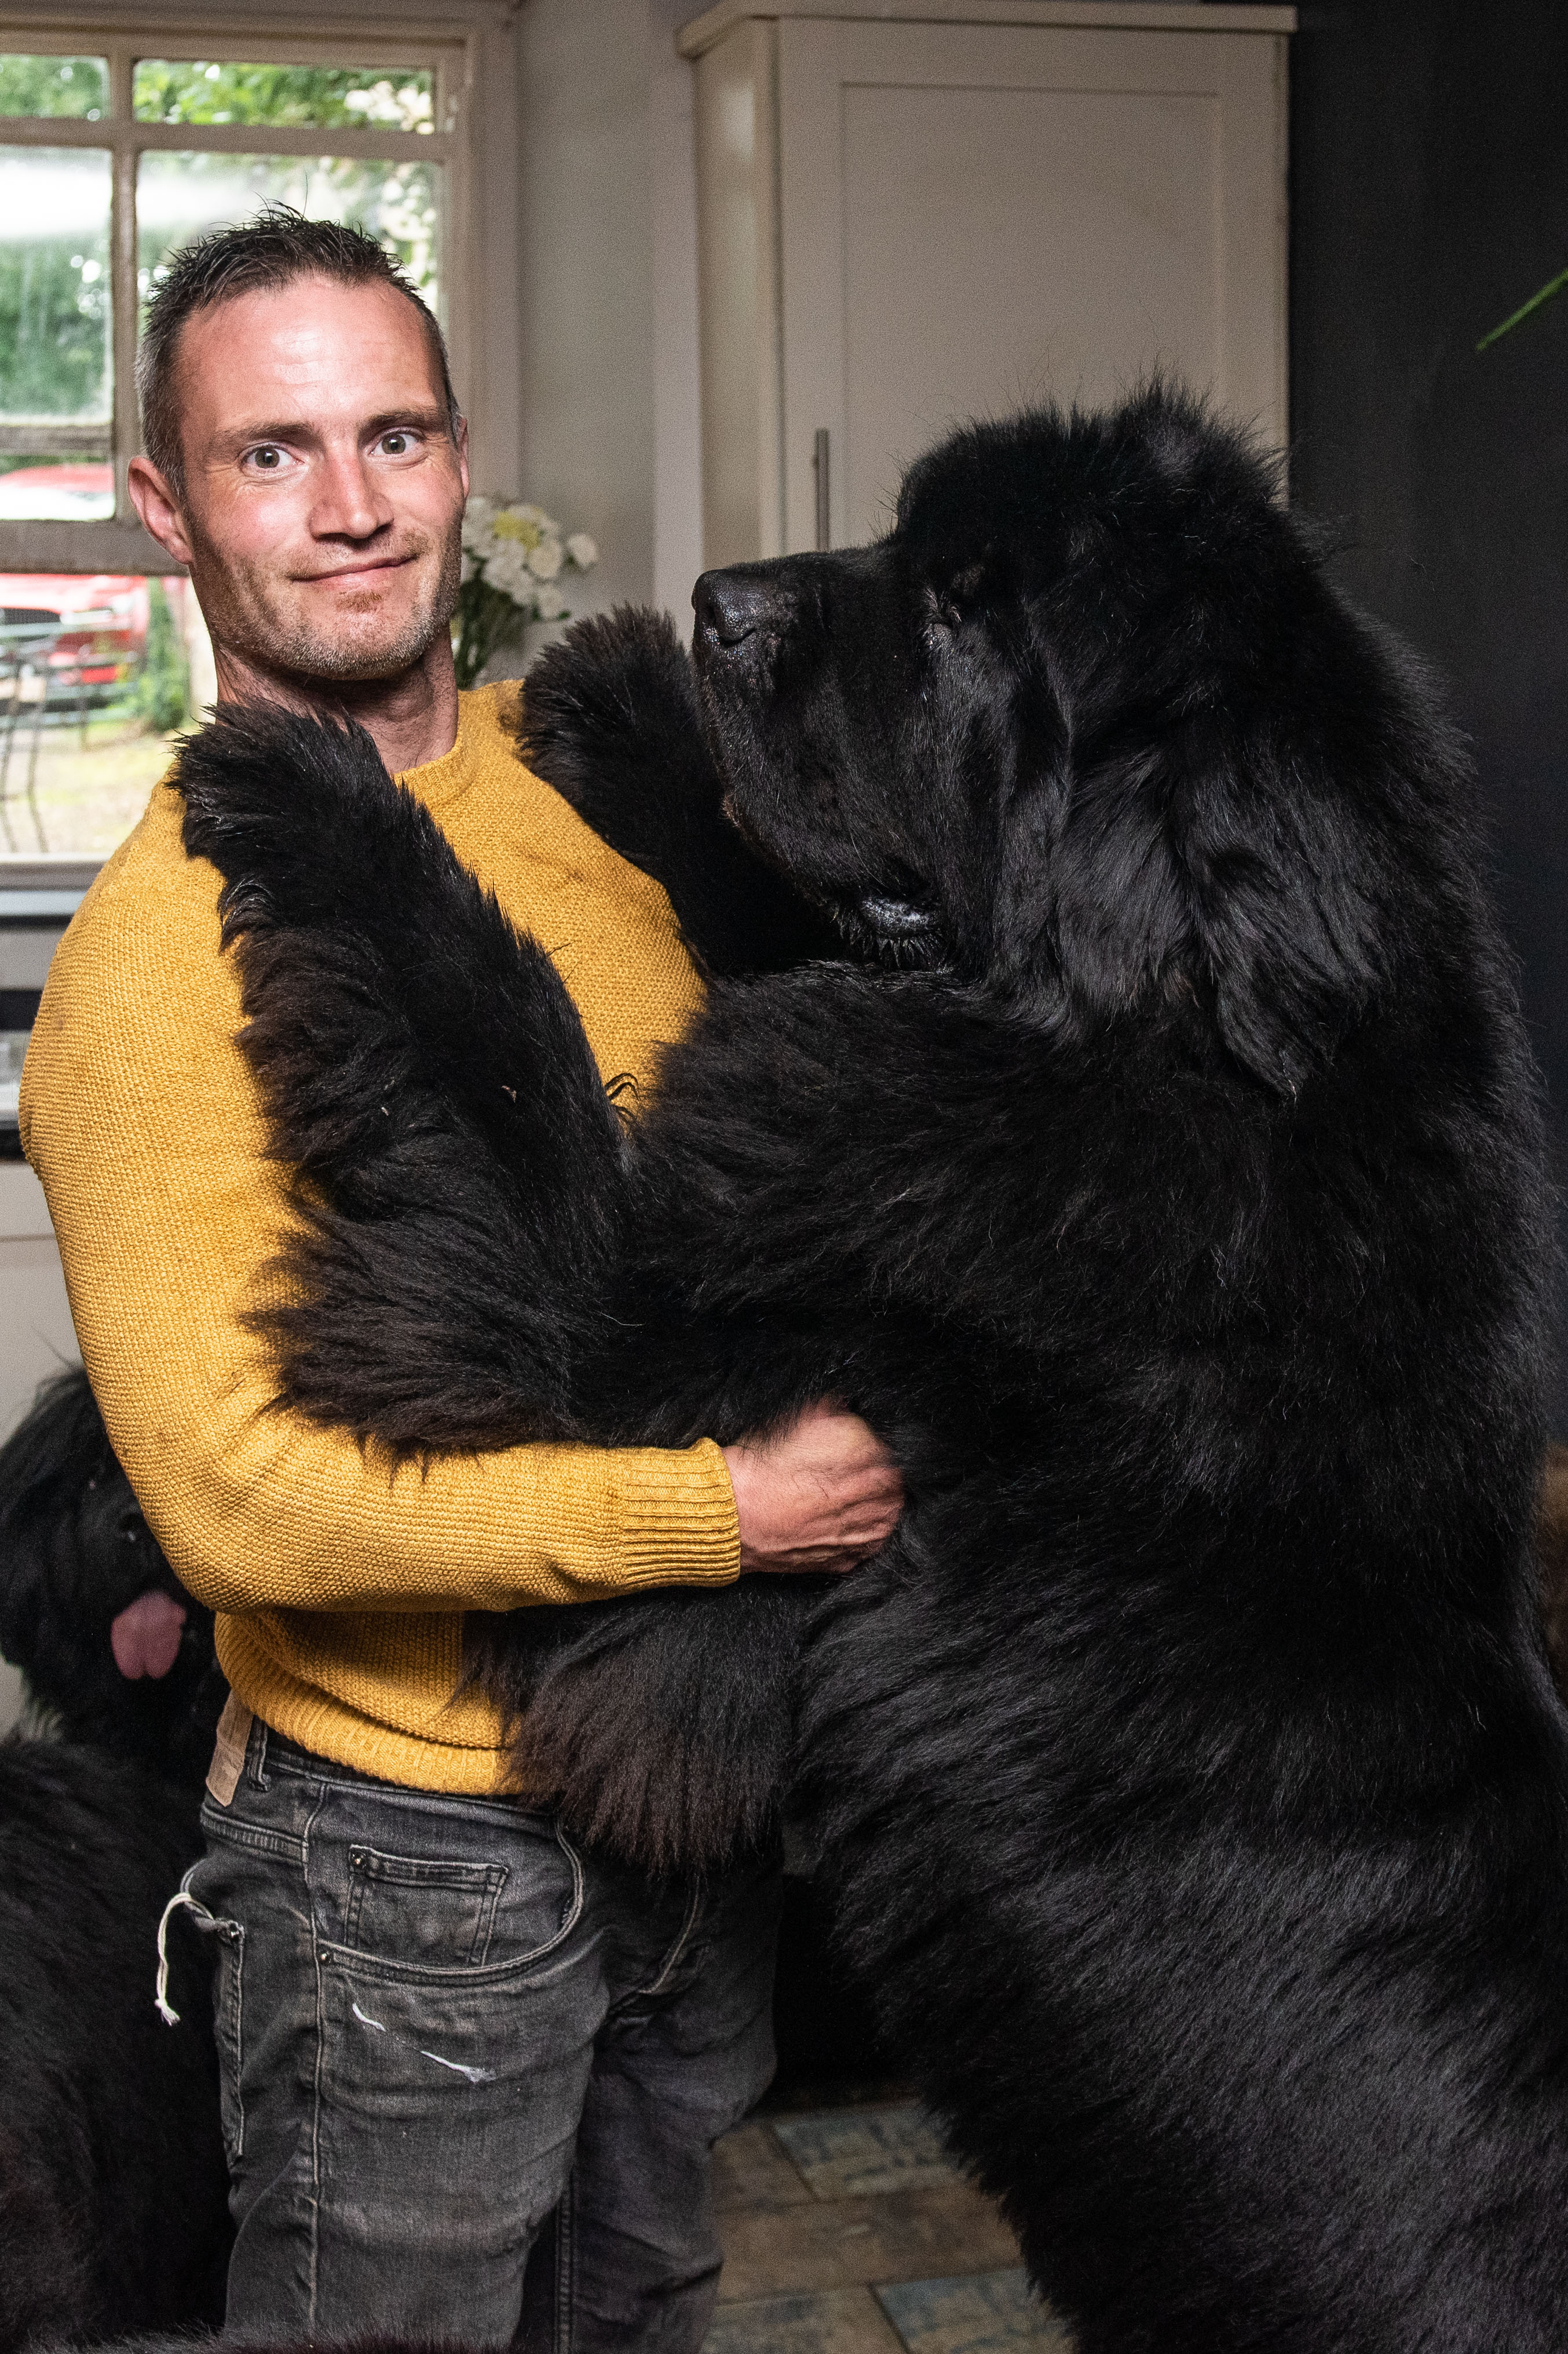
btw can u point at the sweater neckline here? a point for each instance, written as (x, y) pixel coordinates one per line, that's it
(440, 783)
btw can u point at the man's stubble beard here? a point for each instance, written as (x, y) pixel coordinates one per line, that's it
(248, 612)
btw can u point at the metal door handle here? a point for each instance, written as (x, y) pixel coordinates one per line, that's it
(819, 468)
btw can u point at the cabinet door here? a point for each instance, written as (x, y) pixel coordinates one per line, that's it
(975, 217)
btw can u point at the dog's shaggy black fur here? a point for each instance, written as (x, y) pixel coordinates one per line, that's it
(75, 1550)
(1187, 1771)
(113, 2194)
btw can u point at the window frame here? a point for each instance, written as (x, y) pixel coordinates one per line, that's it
(468, 46)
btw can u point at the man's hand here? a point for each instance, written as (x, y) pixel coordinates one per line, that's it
(823, 1495)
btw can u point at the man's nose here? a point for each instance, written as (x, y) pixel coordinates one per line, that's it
(350, 503)
(741, 603)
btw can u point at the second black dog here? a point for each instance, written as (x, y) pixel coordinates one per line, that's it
(111, 1646)
(113, 2193)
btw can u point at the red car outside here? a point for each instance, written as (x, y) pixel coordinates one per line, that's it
(104, 613)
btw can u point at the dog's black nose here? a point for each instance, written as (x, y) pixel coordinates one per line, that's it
(735, 605)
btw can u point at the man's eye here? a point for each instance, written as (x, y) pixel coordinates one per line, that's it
(267, 459)
(397, 445)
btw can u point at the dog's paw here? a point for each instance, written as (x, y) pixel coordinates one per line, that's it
(609, 718)
(301, 819)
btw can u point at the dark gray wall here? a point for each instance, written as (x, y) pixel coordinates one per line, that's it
(1429, 197)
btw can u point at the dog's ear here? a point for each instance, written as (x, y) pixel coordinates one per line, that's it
(1089, 907)
(1237, 866)
(1292, 894)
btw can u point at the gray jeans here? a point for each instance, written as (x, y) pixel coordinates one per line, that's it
(436, 2019)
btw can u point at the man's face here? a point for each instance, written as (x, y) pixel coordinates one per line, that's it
(323, 494)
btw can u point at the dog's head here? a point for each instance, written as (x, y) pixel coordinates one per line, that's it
(1090, 727)
(111, 1645)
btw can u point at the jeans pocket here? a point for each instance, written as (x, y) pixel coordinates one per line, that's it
(457, 1929)
(427, 1909)
(228, 2026)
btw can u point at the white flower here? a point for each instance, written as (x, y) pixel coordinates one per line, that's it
(507, 571)
(479, 527)
(517, 549)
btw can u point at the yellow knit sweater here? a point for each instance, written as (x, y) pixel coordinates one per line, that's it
(339, 1583)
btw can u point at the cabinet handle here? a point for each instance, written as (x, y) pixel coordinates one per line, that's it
(819, 468)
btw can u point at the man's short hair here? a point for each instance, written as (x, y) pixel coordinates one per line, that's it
(279, 245)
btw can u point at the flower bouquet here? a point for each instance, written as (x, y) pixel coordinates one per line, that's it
(512, 556)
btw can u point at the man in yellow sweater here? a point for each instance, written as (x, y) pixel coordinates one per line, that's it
(435, 2018)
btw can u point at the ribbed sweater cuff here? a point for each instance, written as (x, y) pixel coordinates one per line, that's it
(682, 1528)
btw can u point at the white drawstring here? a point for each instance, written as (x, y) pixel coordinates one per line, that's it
(181, 1897)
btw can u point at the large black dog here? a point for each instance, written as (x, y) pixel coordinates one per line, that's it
(114, 2193)
(112, 1647)
(1167, 1184)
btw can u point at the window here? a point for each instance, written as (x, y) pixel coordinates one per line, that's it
(113, 151)
(110, 159)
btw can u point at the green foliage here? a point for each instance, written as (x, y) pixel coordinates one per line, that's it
(185, 195)
(163, 687)
(486, 621)
(76, 87)
(194, 91)
(54, 327)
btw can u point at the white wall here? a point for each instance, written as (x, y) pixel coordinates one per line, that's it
(677, 374)
(608, 387)
(586, 394)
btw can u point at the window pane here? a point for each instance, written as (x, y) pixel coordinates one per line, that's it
(73, 86)
(54, 283)
(95, 675)
(56, 489)
(187, 90)
(180, 195)
(18, 1012)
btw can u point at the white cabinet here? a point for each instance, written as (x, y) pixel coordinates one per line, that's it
(918, 213)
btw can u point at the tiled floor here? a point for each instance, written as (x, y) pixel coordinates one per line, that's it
(849, 2231)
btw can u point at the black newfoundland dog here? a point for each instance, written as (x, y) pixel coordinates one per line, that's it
(113, 1650)
(1160, 1171)
(113, 2193)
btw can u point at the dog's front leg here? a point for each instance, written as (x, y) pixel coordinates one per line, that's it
(458, 1172)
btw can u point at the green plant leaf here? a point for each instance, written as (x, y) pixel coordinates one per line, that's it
(1553, 286)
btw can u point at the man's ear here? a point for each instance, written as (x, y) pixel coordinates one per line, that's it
(159, 509)
(459, 437)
